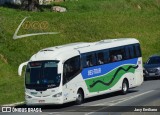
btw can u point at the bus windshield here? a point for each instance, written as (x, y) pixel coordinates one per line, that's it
(41, 75)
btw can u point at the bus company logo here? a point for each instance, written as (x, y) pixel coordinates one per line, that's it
(35, 25)
(32, 25)
(94, 71)
(6, 109)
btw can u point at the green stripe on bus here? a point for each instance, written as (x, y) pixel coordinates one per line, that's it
(102, 80)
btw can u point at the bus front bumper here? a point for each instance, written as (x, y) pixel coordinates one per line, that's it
(44, 101)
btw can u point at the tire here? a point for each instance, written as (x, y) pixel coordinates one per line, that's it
(145, 79)
(79, 97)
(125, 87)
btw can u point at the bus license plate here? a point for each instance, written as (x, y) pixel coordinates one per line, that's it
(41, 101)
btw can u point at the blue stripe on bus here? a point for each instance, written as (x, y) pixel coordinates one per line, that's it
(103, 69)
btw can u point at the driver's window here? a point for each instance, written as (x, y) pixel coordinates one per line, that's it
(71, 68)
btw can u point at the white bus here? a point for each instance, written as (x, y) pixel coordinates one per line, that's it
(76, 71)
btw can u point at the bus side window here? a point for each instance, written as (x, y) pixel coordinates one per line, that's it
(106, 56)
(84, 60)
(120, 54)
(127, 52)
(131, 51)
(71, 68)
(112, 56)
(100, 58)
(117, 54)
(90, 60)
(137, 50)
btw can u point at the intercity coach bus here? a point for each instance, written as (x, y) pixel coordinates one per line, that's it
(76, 71)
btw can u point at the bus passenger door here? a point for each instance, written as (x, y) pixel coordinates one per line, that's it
(71, 69)
(65, 91)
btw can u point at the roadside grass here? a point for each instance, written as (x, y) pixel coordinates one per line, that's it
(85, 21)
(11, 86)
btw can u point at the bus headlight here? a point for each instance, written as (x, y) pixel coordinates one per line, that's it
(58, 94)
(158, 68)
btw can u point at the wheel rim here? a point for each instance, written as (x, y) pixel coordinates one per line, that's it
(124, 87)
(79, 97)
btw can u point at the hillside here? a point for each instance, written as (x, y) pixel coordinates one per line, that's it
(86, 20)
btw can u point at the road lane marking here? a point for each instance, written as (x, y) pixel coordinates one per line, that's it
(55, 113)
(125, 99)
(132, 97)
(122, 99)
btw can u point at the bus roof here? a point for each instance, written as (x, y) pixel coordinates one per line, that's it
(72, 49)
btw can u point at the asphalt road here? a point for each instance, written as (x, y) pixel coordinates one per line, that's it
(138, 101)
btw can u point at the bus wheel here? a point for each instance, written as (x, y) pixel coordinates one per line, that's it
(79, 97)
(125, 87)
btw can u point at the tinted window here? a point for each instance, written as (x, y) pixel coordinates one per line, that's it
(71, 68)
(111, 55)
(106, 56)
(154, 60)
(127, 52)
(117, 54)
(137, 50)
(42, 74)
(88, 60)
(84, 60)
(100, 58)
(131, 51)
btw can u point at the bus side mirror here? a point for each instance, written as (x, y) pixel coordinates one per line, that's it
(21, 68)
